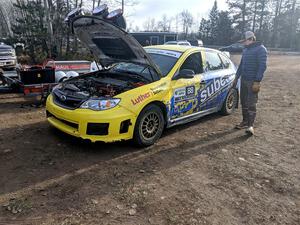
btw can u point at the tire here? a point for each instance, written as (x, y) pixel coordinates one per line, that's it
(149, 126)
(230, 102)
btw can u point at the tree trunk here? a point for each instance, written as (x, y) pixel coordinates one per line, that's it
(5, 21)
(49, 26)
(262, 12)
(75, 38)
(244, 17)
(254, 16)
(293, 26)
(68, 33)
(275, 30)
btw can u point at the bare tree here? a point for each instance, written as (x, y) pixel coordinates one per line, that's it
(150, 25)
(5, 21)
(187, 21)
(164, 24)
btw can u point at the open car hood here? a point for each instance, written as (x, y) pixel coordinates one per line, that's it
(109, 43)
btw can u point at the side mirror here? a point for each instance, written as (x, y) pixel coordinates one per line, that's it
(184, 74)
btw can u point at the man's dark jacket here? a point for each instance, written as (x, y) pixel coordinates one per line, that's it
(253, 63)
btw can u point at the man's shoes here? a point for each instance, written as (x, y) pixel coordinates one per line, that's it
(250, 131)
(242, 125)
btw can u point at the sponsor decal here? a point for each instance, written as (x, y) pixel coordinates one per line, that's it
(180, 92)
(183, 107)
(192, 99)
(141, 98)
(164, 52)
(184, 93)
(213, 88)
(159, 88)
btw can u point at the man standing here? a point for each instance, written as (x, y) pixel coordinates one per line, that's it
(251, 70)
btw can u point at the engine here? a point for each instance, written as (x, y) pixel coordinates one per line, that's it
(104, 86)
(74, 92)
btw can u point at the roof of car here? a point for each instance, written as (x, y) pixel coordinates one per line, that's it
(2, 45)
(179, 48)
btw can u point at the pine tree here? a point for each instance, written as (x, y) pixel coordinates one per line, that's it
(225, 32)
(204, 31)
(240, 10)
(213, 19)
(30, 29)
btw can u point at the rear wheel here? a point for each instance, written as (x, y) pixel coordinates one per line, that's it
(149, 126)
(230, 102)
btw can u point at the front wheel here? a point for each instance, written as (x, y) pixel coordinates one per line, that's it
(230, 102)
(149, 126)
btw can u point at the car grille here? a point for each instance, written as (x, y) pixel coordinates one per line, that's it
(70, 124)
(6, 54)
(66, 101)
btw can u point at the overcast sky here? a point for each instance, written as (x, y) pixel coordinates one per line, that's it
(156, 8)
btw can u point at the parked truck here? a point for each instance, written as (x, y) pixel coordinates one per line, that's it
(8, 59)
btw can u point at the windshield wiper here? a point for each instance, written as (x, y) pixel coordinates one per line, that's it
(137, 75)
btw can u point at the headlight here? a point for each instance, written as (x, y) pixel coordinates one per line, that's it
(13, 52)
(100, 104)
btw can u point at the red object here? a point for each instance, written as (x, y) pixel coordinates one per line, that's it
(39, 89)
(138, 84)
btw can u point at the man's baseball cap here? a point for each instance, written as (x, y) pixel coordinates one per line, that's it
(247, 35)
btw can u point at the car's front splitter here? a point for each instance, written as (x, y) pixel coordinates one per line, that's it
(107, 126)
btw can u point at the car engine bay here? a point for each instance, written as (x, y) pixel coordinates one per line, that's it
(95, 85)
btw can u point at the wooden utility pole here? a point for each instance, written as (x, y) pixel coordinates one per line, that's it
(49, 26)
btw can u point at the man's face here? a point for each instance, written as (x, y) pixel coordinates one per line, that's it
(248, 42)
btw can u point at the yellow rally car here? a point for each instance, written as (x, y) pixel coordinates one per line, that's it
(141, 91)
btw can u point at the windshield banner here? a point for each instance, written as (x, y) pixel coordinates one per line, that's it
(164, 52)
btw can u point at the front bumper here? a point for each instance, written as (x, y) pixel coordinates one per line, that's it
(8, 63)
(107, 126)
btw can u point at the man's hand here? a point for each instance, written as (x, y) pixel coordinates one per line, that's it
(256, 87)
(234, 82)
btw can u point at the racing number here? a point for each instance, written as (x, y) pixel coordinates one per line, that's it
(190, 90)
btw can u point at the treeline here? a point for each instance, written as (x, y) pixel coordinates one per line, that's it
(39, 24)
(275, 22)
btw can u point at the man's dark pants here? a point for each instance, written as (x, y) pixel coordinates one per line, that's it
(248, 101)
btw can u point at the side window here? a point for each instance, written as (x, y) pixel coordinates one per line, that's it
(226, 61)
(213, 61)
(193, 62)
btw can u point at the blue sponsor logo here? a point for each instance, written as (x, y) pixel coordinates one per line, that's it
(211, 89)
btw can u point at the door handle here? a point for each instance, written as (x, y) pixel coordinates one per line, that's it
(203, 82)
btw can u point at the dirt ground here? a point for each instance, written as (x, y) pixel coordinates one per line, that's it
(204, 172)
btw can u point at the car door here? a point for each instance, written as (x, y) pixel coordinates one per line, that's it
(229, 71)
(184, 91)
(214, 82)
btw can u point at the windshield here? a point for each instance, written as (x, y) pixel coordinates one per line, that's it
(164, 59)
